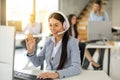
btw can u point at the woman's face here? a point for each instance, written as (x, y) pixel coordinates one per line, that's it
(73, 20)
(55, 26)
(96, 7)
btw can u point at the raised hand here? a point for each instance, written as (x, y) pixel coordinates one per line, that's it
(30, 43)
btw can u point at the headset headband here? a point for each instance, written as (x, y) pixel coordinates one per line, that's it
(66, 19)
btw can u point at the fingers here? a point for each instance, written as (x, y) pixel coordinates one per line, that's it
(47, 75)
(29, 36)
(43, 75)
(30, 43)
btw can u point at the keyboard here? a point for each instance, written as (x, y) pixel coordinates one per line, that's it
(24, 76)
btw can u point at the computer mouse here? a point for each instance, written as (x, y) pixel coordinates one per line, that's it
(44, 79)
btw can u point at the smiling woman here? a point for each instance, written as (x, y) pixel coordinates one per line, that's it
(60, 51)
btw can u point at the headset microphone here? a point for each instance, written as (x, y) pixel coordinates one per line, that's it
(62, 32)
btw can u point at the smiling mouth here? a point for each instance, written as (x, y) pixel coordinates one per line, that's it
(55, 32)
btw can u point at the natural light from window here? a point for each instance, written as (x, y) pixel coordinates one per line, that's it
(19, 10)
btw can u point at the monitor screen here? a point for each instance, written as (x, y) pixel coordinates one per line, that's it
(7, 39)
(99, 30)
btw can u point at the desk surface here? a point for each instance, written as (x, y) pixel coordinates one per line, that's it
(90, 75)
(107, 45)
(85, 75)
(21, 36)
(115, 27)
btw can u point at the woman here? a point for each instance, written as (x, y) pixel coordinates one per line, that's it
(60, 51)
(73, 25)
(73, 32)
(97, 14)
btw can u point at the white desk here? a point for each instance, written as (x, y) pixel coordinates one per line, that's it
(90, 75)
(115, 27)
(21, 36)
(85, 75)
(107, 46)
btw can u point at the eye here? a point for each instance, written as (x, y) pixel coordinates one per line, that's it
(50, 25)
(56, 25)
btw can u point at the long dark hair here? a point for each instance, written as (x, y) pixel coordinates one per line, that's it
(63, 57)
(74, 26)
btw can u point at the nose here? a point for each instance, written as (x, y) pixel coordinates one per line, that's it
(52, 28)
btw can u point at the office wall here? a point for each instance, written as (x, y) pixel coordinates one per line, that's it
(116, 12)
(72, 6)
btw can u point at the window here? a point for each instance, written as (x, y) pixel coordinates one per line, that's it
(19, 10)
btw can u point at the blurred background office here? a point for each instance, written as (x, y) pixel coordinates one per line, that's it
(16, 12)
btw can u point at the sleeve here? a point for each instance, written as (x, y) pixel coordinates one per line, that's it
(37, 60)
(75, 67)
(90, 16)
(106, 17)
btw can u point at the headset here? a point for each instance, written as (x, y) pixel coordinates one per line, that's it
(66, 24)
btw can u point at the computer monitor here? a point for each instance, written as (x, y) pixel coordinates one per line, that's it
(7, 43)
(99, 30)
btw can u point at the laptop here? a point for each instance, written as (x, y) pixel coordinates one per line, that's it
(7, 46)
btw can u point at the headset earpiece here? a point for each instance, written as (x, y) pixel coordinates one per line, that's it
(64, 25)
